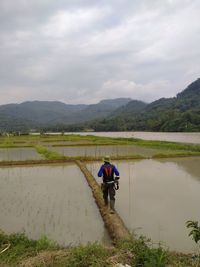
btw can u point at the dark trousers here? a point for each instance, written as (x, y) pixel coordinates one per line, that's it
(108, 189)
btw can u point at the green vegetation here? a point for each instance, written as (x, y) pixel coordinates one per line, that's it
(195, 232)
(161, 149)
(48, 154)
(175, 154)
(136, 252)
(132, 251)
(20, 247)
(90, 139)
(42, 114)
(89, 255)
(143, 253)
(177, 114)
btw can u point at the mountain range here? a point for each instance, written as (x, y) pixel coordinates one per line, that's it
(39, 114)
(180, 113)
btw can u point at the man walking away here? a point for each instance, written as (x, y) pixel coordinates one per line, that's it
(108, 171)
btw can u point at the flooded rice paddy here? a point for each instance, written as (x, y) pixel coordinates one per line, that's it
(51, 200)
(19, 154)
(157, 197)
(100, 151)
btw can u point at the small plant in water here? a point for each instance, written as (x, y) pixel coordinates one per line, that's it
(195, 233)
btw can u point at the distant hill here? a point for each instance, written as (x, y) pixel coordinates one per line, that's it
(40, 114)
(132, 107)
(101, 110)
(181, 113)
(39, 111)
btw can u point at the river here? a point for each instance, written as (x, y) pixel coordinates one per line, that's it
(161, 136)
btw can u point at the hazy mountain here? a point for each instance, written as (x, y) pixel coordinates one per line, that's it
(133, 106)
(102, 109)
(181, 113)
(39, 111)
(36, 114)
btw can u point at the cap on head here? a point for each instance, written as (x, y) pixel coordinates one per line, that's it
(106, 158)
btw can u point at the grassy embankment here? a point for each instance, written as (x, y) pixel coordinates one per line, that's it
(44, 253)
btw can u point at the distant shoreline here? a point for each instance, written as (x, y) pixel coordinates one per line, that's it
(180, 137)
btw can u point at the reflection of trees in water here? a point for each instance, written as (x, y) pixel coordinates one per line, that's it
(190, 165)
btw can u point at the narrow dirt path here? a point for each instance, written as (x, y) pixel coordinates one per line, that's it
(114, 224)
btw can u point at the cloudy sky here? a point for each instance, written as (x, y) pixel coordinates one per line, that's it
(82, 51)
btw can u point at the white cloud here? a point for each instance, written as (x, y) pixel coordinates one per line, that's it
(74, 22)
(146, 92)
(83, 52)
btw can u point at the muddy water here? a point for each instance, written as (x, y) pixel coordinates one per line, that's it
(156, 198)
(174, 137)
(18, 154)
(51, 200)
(100, 151)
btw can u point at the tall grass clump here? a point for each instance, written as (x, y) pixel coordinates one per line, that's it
(143, 253)
(90, 255)
(21, 247)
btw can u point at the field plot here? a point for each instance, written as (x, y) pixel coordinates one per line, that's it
(65, 143)
(19, 154)
(100, 151)
(156, 198)
(51, 200)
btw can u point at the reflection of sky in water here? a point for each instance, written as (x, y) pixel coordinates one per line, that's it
(100, 151)
(19, 154)
(156, 198)
(51, 200)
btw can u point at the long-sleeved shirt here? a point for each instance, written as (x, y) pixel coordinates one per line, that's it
(100, 172)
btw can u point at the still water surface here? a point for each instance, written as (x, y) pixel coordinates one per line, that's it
(100, 151)
(51, 200)
(174, 137)
(157, 197)
(18, 154)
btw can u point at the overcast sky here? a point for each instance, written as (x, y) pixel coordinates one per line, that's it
(83, 51)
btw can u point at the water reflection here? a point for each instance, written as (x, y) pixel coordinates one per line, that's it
(162, 136)
(100, 151)
(190, 165)
(156, 198)
(51, 200)
(19, 154)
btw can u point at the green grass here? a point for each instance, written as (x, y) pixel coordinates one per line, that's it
(47, 153)
(176, 154)
(132, 251)
(89, 255)
(144, 253)
(22, 247)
